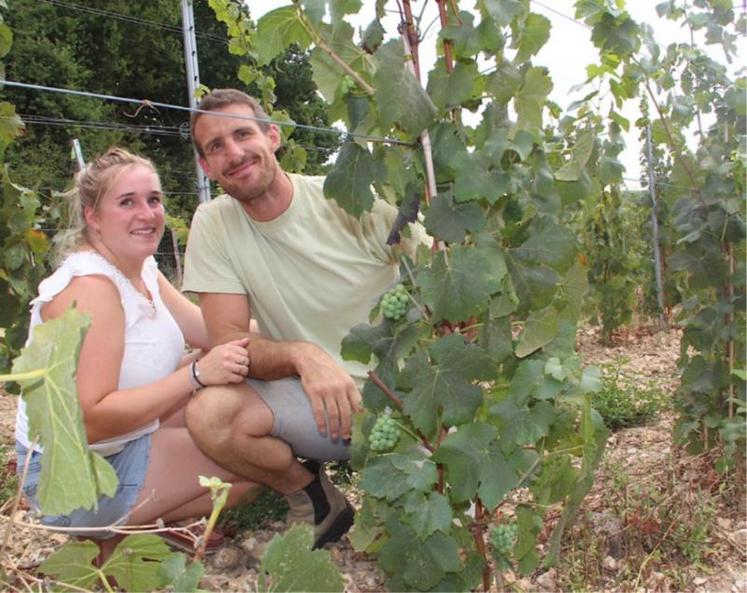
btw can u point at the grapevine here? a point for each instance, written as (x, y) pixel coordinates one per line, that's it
(394, 303)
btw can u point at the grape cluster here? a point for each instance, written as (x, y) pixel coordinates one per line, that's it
(502, 538)
(394, 302)
(384, 434)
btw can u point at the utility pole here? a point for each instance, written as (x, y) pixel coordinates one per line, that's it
(193, 81)
(655, 230)
(78, 152)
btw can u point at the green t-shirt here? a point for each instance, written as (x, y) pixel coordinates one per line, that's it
(310, 274)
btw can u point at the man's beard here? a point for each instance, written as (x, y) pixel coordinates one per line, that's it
(247, 193)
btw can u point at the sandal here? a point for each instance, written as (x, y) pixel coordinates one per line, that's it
(187, 539)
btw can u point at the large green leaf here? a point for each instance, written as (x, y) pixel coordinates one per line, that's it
(136, 562)
(382, 340)
(451, 89)
(392, 476)
(474, 179)
(289, 564)
(533, 34)
(449, 221)
(475, 465)
(460, 286)
(72, 476)
(180, 573)
(445, 383)
(73, 564)
(399, 96)
(349, 182)
(427, 514)
(549, 243)
(276, 30)
(11, 124)
(502, 11)
(540, 329)
(535, 285)
(531, 98)
(421, 565)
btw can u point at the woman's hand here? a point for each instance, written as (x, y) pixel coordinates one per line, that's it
(227, 363)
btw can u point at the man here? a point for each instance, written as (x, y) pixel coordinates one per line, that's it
(274, 248)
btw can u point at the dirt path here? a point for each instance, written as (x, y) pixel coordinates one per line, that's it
(633, 533)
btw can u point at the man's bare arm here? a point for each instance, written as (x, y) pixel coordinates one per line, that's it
(329, 387)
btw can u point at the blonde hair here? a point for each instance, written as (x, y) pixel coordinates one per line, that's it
(91, 183)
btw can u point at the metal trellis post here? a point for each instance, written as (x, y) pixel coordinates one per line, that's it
(655, 230)
(193, 81)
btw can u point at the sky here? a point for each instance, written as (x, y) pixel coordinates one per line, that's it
(566, 55)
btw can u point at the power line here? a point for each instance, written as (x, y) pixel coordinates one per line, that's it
(561, 14)
(130, 19)
(149, 103)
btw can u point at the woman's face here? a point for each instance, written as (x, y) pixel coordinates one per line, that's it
(129, 220)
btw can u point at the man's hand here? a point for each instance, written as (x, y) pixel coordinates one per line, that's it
(330, 389)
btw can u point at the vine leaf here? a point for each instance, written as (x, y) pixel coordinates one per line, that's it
(289, 564)
(549, 243)
(571, 171)
(136, 560)
(392, 476)
(72, 564)
(349, 183)
(134, 563)
(449, 90)
(180, 575)
(428, 514)
(399, 96)
(450, 222)
(502, 11)
(475, 180)
(475, 465)
(276, 30)
(445, 383)
(461, 286)
(421, 564)
(540, 329)
(531, 98)
(532, 36)
(80, 476)
(11, 124)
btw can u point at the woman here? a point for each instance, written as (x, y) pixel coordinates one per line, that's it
(132, 384)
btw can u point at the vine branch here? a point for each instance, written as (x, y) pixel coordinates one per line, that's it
(324, 46)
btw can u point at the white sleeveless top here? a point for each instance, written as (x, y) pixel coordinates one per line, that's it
(154, 344)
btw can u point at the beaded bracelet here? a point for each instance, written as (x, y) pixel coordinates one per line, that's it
(195, 377)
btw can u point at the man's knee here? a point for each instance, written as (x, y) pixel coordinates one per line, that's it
(210, 415)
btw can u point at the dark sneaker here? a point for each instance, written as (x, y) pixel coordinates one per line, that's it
(334, 524)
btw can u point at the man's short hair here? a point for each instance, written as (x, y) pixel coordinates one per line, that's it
(220, 98)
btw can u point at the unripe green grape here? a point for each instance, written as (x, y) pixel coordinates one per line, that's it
(502, 538)
(394, 303)
(384, 434)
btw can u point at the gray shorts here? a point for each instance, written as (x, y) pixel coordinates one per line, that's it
(131, 464)
(294, 423)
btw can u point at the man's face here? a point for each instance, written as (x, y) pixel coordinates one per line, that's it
(237, 153)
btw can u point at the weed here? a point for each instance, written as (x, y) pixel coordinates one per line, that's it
(269, 506)
(623, 402)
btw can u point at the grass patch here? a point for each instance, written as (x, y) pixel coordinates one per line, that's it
(269, 506)
(624, 402)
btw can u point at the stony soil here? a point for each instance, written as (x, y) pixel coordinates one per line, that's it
(605, 551)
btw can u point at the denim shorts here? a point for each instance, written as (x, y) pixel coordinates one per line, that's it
(130, 464)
